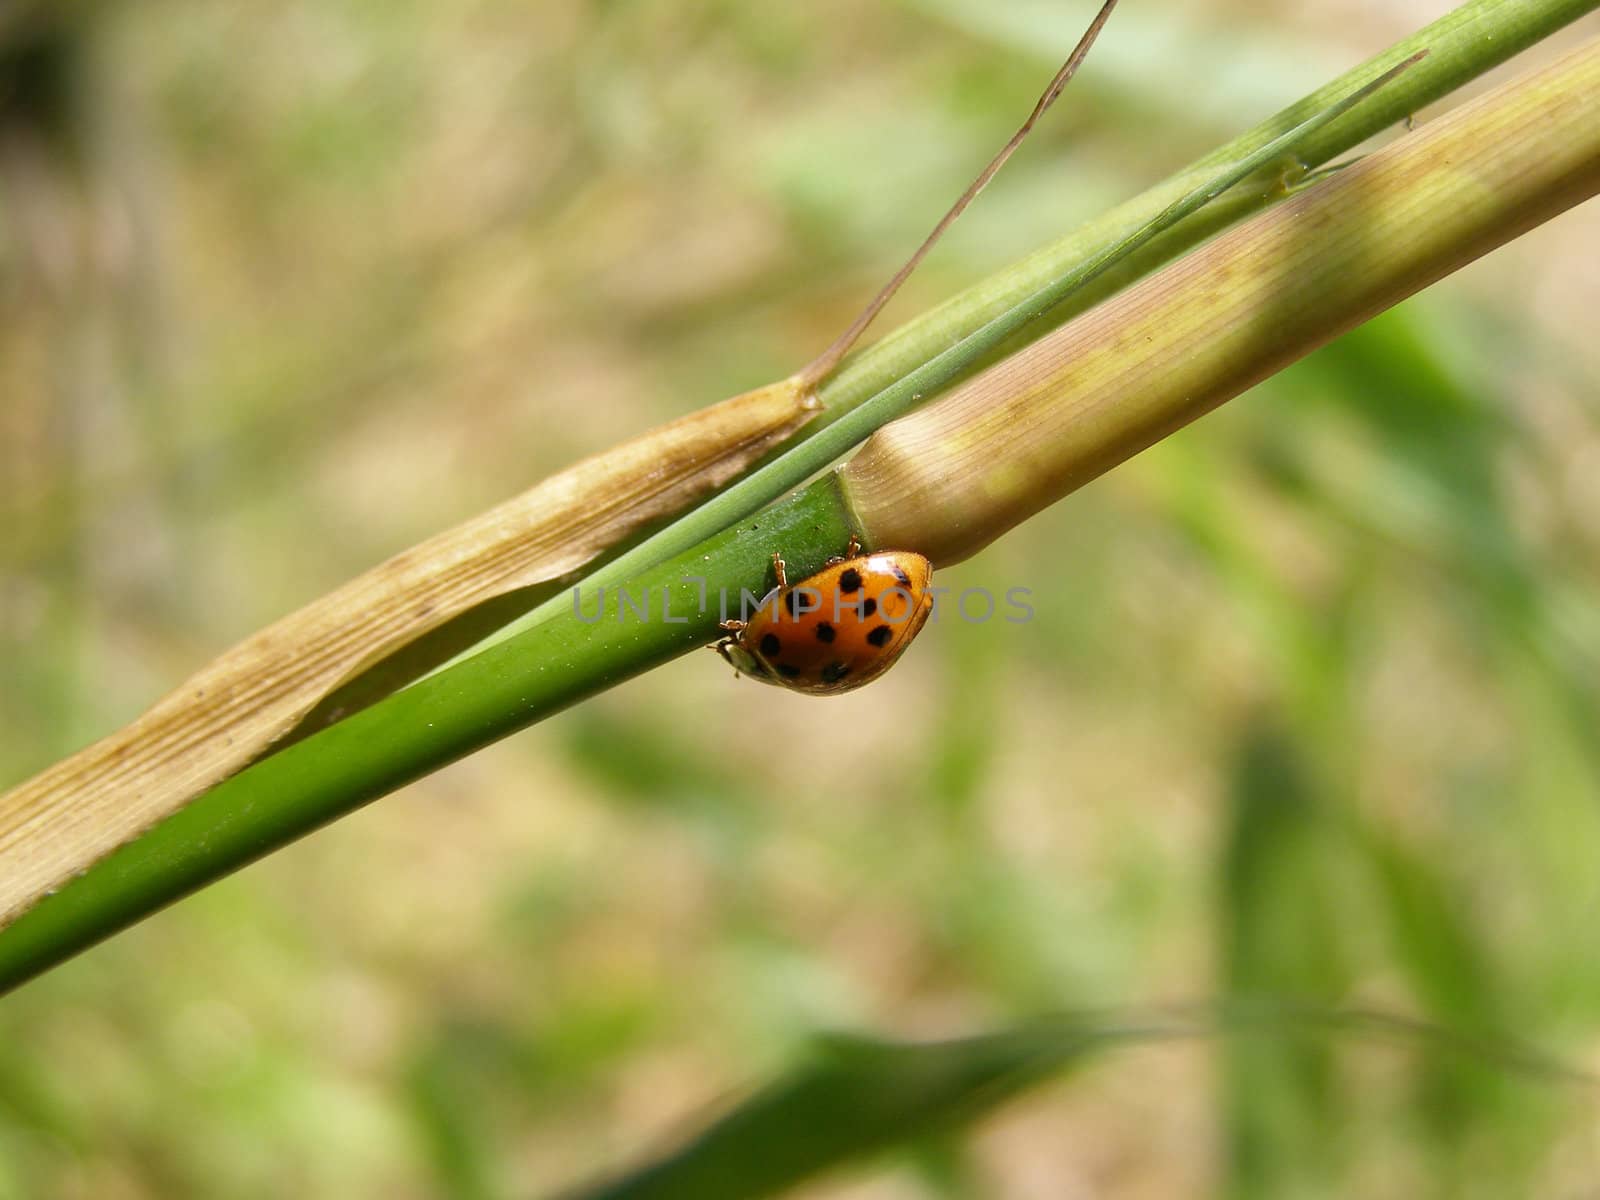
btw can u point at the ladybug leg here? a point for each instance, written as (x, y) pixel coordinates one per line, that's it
(733, 627)
(780, 570)
(850, 551)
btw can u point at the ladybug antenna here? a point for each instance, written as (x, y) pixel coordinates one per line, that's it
(822, 366)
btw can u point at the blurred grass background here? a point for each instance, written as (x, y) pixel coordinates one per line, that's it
(1308, 706)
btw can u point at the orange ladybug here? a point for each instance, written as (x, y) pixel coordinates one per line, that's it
(837, 629)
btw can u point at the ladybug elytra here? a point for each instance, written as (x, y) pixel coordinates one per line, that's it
(837, 629)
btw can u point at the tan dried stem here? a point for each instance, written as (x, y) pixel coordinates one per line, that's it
(823, 365)
(950, 478)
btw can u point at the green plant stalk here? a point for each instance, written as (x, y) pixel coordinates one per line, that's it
(419, 729)
(991, 318)
(411, 733)
(813, 454)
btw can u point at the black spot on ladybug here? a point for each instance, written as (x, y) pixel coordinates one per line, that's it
(850, 580)
(788, 672)
(770, 644)
(800, 599)
(834, 672)
(900, 574)
(880, 636)
(869, 606)
(824, 632)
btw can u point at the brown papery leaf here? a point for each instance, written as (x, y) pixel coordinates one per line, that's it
(374, 634)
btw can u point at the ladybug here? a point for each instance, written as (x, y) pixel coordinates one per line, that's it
(837, 629)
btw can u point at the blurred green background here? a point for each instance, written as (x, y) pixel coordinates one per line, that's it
(1308, 707)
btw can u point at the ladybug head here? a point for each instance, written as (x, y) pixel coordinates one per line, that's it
(741, 660)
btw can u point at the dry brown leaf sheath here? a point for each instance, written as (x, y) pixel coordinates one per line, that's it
(377, 632)
(56, 824)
